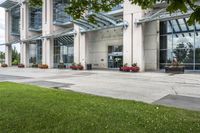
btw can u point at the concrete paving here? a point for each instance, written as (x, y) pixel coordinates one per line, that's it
(190, 103)
(147, 87)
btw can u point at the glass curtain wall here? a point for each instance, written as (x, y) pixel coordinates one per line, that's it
(35, 52)
(59, 14)
(63, 53)
(115, 56)
(180, 41)
(15, 19)
(35, 19)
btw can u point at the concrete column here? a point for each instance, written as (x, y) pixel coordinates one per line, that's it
(77, 44)
(8, 55)
(80, 47)
(133, 36)
(24, 11)
(7, 26)
(83, 50)
(47, 16)
(151, 45)
(47, 52)
(24, 57)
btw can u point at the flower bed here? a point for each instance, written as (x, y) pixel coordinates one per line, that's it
(133, 68)
(129, 69)
(43, 66)
(21, 66)
(76, 67)
(4, 65)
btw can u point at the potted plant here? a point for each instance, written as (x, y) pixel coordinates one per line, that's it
(73, 66)
(76, 67)
(79, 66)
(4, 65)
(21, 66)
(134, 68)
(126, 68)
(175, 68)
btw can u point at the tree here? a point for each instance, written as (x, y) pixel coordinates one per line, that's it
(15, 56)
(77, 8)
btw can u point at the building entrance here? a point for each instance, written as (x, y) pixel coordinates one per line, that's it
(115, 56)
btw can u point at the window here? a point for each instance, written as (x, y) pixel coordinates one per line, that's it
(180, 41)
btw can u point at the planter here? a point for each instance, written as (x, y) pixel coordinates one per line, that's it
(4, 65)
(61, 66)
(175, 69)
(35, 66)
(129, 69)
(21, 66)
(76, 67)
(43, 66)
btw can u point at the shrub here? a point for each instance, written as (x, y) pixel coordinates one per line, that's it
(21, 66)
(43, 66)
(133, 68)
(76, 67)
(4, 65)
(35, 65)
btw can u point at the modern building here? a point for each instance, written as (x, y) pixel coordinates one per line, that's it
(127, 34)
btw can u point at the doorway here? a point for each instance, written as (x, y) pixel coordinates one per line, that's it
(115, 56)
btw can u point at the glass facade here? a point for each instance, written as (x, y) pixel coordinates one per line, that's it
(15, 19)
(115, 56)
(35, 19)
(59, 14)
(35, 52)
(63, 53)
(180, 41)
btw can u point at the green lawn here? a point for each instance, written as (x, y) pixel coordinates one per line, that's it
(31, 109)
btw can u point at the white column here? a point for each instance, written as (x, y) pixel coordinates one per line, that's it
(80, 47)
(133, 36)
(24, 21)
(24, 57)
(47, 52)
(8, 55)
(47, 16)
(7, 26)
(77, 44)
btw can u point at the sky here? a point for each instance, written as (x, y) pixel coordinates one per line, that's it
(2, 29)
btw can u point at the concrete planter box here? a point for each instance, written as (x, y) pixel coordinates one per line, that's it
(61, 66)
(21, 66)
(175, 69)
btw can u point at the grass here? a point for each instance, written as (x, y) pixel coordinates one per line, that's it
(31, 109)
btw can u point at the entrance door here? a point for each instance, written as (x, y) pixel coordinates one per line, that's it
(115, 56)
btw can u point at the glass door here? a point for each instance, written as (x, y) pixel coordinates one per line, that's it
(115, 56)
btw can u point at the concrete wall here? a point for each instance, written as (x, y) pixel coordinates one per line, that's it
(151, 45)
(133, 36)
(98, 42)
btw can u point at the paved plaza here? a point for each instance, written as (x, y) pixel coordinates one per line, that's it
(180, 90)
